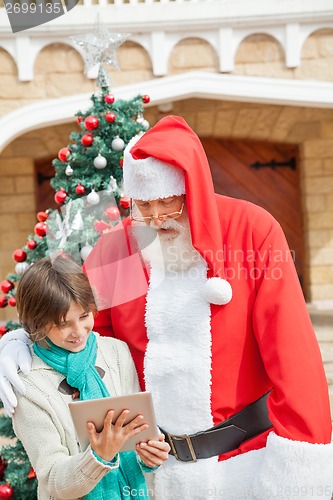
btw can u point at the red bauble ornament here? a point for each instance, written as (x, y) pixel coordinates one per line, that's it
(3, 330)
(12, 301)
(79, 119)
(64, 153)
(121, 162)
(125, 202)
(110, 117)
(60, 196)
(91, 122)
(19, 255)
(87, 140)
(80, 189)
(42, 216)
(6, 286)
(3, 301)
(40, 229)
(31, 473)
(146, 99)
(109, 98)
(31, 244)
(112, 213)
(6, 491)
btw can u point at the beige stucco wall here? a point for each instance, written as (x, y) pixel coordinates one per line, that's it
(59, 72)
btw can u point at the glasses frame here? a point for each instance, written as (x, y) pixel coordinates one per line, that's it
(162, 217)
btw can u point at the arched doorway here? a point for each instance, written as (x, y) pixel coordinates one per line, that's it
(266, 174)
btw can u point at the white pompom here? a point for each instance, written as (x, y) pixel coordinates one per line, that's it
(85, 251)
(217, 291)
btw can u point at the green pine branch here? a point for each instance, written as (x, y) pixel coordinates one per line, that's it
(6, 427)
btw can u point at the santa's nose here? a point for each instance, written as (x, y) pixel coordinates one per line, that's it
(156, 222)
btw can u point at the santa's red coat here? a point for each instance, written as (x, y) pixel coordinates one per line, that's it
(263, 339)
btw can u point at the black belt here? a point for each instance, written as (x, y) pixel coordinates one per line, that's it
(224, 437)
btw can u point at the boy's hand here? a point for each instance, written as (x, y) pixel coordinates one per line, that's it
(153, 453)
(111, 439)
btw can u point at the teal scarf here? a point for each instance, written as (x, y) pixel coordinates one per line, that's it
(79, 369)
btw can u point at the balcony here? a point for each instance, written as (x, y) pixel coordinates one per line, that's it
(159, 25)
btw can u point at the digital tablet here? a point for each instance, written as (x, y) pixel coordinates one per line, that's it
(95, 410)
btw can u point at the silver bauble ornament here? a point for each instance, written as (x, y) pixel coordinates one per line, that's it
(100, 162)
(113, 186)
(146, 124)
(117, 144)
(69, 170)
(21, 267)
(93, 198)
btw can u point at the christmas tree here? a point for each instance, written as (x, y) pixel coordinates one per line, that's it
(87, 181)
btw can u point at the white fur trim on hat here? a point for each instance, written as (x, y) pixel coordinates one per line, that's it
(150, 178)
(217, 291)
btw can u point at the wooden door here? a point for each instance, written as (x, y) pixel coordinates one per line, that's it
(44, 172)
(236, 171)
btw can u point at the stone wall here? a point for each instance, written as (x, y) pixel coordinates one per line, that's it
(17, 202)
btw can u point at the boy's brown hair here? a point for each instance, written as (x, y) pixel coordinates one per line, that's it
(45, 294)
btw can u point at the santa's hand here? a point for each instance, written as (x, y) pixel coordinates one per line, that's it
(15, 355)
(153, 453)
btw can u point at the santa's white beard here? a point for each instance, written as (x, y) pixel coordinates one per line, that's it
(169, 251)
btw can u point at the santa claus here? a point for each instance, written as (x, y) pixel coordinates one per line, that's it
(204, 291)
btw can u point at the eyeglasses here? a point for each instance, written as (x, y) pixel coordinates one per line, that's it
(162, 218)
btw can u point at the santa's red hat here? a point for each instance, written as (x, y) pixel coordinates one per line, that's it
(169, 160)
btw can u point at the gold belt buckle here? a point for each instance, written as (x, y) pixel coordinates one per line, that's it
(189, 444)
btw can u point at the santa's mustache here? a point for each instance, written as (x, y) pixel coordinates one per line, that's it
(170, 224)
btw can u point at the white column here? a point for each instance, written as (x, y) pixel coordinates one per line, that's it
(292, 45)
(24, 58)
(226, 49)
(158, 53)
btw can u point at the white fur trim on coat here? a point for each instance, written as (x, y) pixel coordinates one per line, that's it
(178, 373)
(149, 178)
(294, 470)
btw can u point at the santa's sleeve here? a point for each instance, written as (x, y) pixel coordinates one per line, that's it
(94, 268)
(298, 458)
